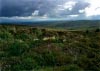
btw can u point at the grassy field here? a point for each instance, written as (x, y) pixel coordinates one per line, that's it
(25, 48)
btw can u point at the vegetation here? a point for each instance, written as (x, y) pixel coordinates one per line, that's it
(24, 48)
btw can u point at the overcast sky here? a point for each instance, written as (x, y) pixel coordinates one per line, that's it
(69, 9)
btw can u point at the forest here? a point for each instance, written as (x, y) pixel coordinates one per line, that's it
(27, 48)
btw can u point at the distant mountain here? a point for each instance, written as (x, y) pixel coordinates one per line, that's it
(78, 24)
(59, 24)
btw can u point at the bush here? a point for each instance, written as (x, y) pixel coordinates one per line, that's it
(68, 68)
(97, 30)
(17, 48)
(6, 35)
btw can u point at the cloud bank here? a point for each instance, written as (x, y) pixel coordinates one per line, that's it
(69, 9)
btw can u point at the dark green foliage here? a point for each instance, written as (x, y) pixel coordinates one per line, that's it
(68, 68)
(26, 49)
(17, 48)
(97, 30)
(5, 35)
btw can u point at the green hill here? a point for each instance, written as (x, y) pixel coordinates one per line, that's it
(25, 48)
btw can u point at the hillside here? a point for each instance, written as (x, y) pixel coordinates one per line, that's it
(73, 25)
(25, 48)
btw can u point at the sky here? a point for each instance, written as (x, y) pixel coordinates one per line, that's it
(49, 9)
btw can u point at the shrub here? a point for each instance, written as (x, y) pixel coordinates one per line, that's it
(97, 30)
(17, 48)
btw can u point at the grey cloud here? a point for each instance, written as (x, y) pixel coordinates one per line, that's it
(11, 8)
(18, 7)
(79, 6)
(75, 9)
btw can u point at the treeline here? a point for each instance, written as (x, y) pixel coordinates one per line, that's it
(25, 48)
